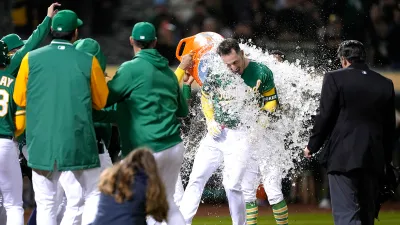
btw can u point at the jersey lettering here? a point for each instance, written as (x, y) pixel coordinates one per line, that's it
(6, 81)
(4, 99)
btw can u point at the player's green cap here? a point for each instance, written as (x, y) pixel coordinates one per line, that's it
(4, 58)
(65, 21)
(13, 41)
(144, 31)
(92, 47)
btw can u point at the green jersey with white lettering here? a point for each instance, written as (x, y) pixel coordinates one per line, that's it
(8, 108)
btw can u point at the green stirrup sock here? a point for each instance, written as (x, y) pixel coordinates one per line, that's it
(251, 213)
(281, 213)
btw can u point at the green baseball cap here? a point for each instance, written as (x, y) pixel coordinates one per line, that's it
(4, 58)
(65, 21)
(13, 41)
(92, 47)
(144, 31)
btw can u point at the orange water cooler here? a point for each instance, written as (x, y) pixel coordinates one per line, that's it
(201, 44)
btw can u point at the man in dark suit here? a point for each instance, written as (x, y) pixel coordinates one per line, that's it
(357, 112)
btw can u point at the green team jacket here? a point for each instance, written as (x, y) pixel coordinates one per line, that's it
(32, 43)
(59, 85)
(149, 103)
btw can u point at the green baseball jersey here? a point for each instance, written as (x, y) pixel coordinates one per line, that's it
(33, 42)
(8, 108)
(59, 85)
(257, 71)
(149, 103)
(214, 87)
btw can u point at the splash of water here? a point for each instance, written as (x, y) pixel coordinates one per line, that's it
(276, 139)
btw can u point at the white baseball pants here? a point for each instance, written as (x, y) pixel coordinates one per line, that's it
(271, 178)
(178, 191)
(169, 163)
(11, 182)
(231, 148)
(91, 194)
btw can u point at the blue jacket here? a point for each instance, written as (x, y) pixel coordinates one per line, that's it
(128, 212)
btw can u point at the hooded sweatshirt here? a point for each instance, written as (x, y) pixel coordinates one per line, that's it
(149, 103)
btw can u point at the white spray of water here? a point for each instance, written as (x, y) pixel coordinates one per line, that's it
(276, 139)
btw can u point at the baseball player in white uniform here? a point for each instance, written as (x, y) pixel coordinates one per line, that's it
(225, 141)
(12, 124)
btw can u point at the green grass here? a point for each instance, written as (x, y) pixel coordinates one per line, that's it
(386, 218)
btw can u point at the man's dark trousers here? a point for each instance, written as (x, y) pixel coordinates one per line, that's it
(353, 197)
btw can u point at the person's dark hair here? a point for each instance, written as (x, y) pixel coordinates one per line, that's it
(63, 35)
(143, 44)
(277, 52)
(353, 51)
(226, 46)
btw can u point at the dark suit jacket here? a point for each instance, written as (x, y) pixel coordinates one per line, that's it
(126, 213)
(357, 112)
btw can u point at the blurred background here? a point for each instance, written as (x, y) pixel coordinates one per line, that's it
(309, 30)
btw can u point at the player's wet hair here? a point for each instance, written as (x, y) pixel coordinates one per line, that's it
(143, 44)
(117, 181)
(63, 35)
(226, 46)
(352, 50)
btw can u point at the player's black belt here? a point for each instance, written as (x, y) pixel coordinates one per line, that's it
(6, 137)
(100, 146)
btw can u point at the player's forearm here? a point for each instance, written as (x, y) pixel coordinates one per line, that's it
(98, 86)
(19, 125)
(207, 108)
(32, 43)
(183, 108)
(179, 74)
(187, 91)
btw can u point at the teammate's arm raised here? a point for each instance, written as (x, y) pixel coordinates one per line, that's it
(186, 62)
(33, 41)
(98, 86)
(21, 82)
(19, 121)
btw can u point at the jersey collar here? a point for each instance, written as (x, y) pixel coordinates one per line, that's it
(60, 42)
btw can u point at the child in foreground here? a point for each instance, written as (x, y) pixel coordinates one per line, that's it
(131, 190)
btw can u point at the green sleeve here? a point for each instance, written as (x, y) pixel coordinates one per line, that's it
(267, 78)
(187, 91)
(183, 108)
(32, 43)
(104, 116)
(120, 86)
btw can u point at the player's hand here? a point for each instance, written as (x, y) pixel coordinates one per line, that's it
(51, 11)
(187, 78)
(214, 128)
(307, 153)
(187, 61)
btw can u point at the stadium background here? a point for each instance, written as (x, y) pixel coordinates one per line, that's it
(309, 30)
